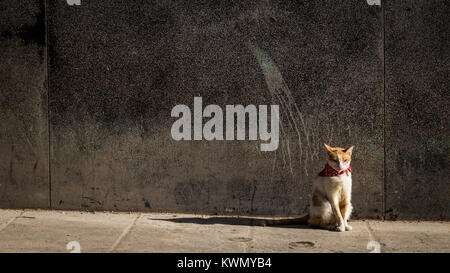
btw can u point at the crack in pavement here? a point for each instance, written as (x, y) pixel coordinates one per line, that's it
(124, 233)
(10, 221)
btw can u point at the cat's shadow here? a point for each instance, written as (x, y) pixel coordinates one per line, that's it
(235, 221)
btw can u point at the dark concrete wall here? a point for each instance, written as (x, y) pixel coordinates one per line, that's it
(340, 72)
(417, 109)
(24, 180)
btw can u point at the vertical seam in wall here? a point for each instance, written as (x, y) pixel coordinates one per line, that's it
(384, 110)
(48, 104)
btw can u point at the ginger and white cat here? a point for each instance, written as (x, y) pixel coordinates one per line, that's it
(331, 196)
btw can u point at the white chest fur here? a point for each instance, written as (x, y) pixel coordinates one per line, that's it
(334, 184)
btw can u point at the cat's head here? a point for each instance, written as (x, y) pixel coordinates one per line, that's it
(339, 158)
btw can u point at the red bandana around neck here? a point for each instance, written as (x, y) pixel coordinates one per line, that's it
(329, 171)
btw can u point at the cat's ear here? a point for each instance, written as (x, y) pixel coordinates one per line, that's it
(349, 150)
(328, 147)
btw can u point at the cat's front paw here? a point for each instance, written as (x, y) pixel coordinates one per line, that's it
(340, 228)
(348, 228)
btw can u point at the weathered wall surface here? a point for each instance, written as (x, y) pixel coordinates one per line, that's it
(337, 70)
(417, 109)
(24, 180)
(116, 71)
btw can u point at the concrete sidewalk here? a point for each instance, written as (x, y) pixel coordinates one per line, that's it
(52, 231)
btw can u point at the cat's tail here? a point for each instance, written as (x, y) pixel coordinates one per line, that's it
(303, 220)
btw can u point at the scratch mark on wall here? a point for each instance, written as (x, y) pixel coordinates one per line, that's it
(292, 120)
